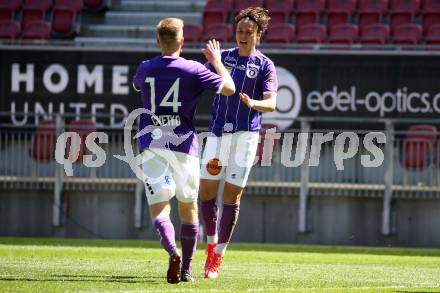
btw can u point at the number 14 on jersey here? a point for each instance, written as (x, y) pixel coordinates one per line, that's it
(171, 98)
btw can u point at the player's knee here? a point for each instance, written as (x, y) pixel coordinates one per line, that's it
(160, 210)
(232, 193)
(188, 212)
(208, 189)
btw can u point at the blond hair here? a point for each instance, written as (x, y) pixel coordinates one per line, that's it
(170, 32)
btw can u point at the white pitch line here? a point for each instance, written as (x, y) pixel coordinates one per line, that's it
(431, 286)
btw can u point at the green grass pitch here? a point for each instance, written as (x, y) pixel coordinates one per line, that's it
(66, 265)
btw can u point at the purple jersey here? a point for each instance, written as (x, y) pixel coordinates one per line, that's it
(170, 88)
(253, 75)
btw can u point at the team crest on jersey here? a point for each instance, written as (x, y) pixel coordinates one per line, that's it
(251, 72)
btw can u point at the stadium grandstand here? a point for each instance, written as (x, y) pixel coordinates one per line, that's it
(351, 155)
(355, 23)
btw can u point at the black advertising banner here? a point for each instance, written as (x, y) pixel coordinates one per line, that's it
(91, 82)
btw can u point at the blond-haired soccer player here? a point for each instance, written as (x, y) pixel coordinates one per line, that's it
(230, 152)
(171, 86)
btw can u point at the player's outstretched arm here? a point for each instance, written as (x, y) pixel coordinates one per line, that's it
(213, 55)
(267, 104)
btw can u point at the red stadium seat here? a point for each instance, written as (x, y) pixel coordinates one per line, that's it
(279, 10)
(83, 127)
(371, 12)
(431, 14)
(343, 34)
(64, 22)
(314, 33)
(307, 12)
(339, 11)
(280, 33)
(433, 36)
(419, 146)
(95, 5)
(220, 31)
(192, 32)
(375, 34)
(65, 18)
(242, 4)
(38, 30)
(9, 29)
(8, 8)
(410, 34)
(216, 11)
(35, 10)
(403, 11)
(37, 4)
(75, 5)
(44, 141)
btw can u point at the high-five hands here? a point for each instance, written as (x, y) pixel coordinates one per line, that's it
(212, 51)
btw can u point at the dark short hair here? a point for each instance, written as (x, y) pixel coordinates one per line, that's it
(259, 15)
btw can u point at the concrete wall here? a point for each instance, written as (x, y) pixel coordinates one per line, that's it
(24, 213)
(271, 218)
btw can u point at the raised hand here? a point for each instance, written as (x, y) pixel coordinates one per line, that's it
(212, 51)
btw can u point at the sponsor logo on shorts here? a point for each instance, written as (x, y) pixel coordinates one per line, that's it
(214, 167)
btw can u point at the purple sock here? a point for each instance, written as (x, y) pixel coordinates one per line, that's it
(209, 213)
(165, 229)
(228, 221)
(188, 239)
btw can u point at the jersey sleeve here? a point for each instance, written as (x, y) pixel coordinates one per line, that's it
(270, 81)
(209, 79)
(137, 78)
(210, 67)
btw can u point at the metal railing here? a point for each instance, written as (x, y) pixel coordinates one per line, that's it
(22, 156)
(142, 45)
(409, 167)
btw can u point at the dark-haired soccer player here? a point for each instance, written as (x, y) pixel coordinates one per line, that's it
(170, 87)
(230, 152)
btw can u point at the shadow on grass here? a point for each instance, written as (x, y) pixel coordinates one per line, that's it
(326, 249)
(437, 291)
(294, 248)
(89, 278)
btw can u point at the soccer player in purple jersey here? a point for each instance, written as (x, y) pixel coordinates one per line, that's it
(170, 86)
(230, 152)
